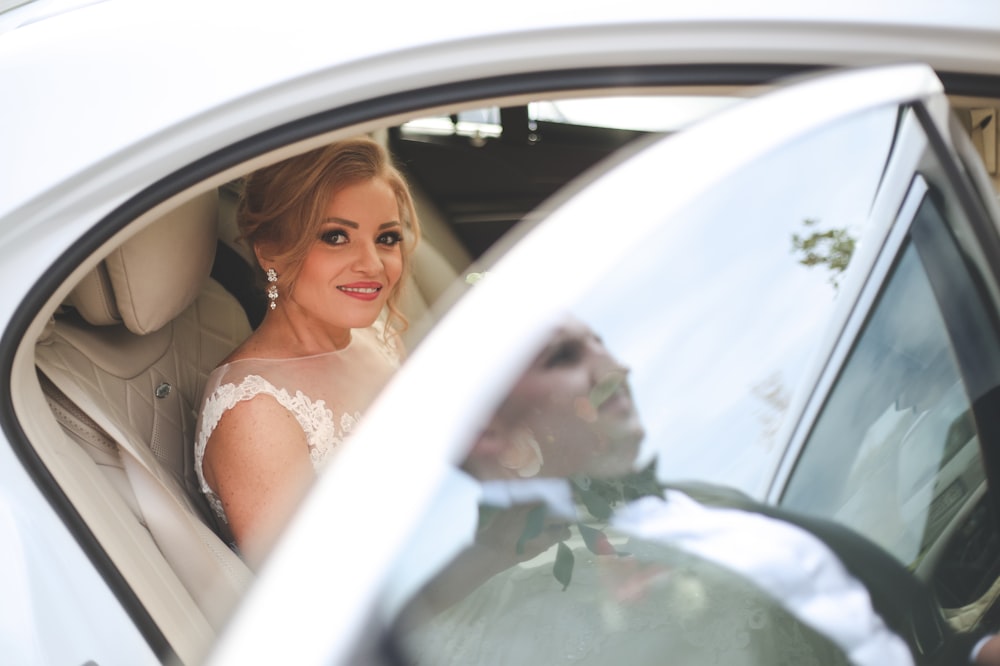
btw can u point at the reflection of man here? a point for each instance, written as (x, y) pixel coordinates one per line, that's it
(694, 569)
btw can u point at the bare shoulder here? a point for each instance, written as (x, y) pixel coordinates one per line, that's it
(257, 461)
(253, 437)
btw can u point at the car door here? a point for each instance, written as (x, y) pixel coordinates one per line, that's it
(729, 267)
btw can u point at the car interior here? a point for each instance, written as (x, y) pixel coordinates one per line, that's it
(125, 351)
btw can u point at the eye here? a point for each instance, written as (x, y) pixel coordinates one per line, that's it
(390, 239)
(334, 237)
(563, 354)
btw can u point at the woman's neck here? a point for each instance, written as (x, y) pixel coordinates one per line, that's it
(284, 335)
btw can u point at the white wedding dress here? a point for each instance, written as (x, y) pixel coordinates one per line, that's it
(326, 393)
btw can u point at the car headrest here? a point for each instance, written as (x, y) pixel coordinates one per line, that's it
(156, 274)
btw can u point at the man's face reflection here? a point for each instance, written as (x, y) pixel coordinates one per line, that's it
(570, 413)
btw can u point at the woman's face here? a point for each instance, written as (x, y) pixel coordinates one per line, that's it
(576, 402)
(356, 262)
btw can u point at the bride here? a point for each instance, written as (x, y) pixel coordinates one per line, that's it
(662, 579)
(332, 230)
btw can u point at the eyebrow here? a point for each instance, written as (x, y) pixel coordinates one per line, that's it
(355, 225)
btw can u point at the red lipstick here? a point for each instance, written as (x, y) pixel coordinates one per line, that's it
(363, 291)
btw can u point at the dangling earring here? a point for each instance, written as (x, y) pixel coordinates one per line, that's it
(523, 456)
(272, 288)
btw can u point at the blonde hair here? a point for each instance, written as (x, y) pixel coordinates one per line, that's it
(283, 206)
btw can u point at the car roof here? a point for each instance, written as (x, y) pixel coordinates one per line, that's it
(96, 78)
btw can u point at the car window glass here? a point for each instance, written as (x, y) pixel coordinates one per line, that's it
(646, 113)
(763, 256)
(475, 123)
(559, 562)
(895, 452)
(680, 362)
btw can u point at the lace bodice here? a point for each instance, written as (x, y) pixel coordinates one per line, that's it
(326, 393)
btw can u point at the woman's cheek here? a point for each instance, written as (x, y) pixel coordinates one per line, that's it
(394, 271)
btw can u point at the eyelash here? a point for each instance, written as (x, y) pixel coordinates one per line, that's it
(391, 238)
(339, 237)
(334, 237)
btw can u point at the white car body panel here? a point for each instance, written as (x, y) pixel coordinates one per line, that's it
(57, 609)
(167, 64)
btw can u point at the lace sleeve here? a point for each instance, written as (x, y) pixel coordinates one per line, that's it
(323, 433)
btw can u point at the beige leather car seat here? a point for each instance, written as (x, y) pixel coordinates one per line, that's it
(131, 352)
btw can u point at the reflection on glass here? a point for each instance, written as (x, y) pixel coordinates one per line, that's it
(719, 315)
(831, 248)
(646, 113)
(668, 113)
(712, 321)
(894, 453)
(477, 123)
(578, 558)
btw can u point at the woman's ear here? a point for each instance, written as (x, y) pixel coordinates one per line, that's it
(264, 256)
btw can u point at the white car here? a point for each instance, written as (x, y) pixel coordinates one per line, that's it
(692, 183)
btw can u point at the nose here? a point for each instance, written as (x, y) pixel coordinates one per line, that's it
(366, 259)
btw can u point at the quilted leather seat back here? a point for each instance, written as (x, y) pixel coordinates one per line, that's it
(133, 347)
(150, 385)
(146, 328)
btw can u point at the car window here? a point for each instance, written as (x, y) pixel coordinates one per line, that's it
(766, 257)
(477, 124)
(576, 556)
(895, 452)
(682, 360)
(738, 299)
(646, 113)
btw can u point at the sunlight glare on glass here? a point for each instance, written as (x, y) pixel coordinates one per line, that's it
(643, 113)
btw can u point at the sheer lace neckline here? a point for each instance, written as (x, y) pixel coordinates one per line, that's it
(325, 392)
(291, 359)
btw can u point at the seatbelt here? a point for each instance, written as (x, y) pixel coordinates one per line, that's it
(212, 573)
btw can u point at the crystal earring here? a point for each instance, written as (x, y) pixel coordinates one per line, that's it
(272, 288)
